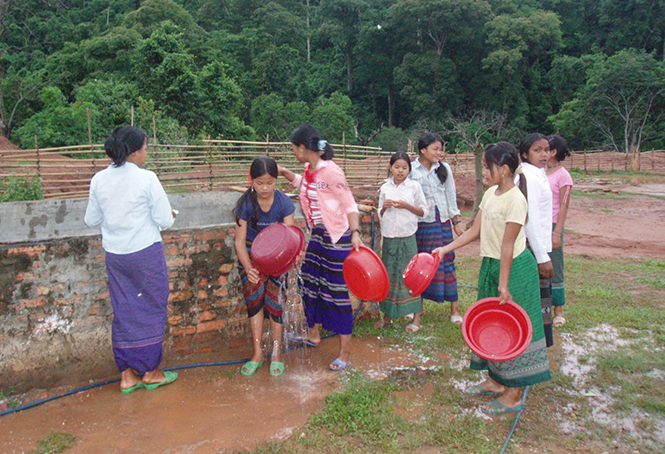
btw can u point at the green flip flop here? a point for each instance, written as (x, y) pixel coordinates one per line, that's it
(132, 389)
(250, 367)
(477, 390)
(276, 368)
(169, 378)
(499, 408)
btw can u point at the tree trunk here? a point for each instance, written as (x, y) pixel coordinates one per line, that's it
(634, 158)
(391, 105)
(480, 189)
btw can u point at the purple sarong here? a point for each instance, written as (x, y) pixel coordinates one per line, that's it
(325, 294)
(139, 289)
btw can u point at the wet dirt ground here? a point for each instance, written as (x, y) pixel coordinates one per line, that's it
(216, 408)
(206, 410)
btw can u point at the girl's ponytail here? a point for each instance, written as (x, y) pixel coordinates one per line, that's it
(310, 138)
(504, 153)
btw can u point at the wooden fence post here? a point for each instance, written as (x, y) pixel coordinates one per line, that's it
(92, 153)
(344, 150)
(39, 173)
(584, 160)
(210, 164)
(613, 161)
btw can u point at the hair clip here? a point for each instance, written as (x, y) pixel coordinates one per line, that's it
(322, 144)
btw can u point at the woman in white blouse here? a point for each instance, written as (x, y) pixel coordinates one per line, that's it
(130, 206)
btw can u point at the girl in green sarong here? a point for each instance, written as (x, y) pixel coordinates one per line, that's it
(508, 271)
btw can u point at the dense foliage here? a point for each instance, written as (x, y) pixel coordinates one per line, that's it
(374, 71)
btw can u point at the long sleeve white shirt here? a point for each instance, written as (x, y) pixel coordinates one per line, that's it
(400, 222)
(538, 228)
(130, 206)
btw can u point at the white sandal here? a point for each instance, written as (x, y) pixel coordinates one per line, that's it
(408, 317)
(456, 319)
(558, 320)
(413, 328)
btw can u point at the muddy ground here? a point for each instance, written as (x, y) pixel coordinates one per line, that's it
(215, 408)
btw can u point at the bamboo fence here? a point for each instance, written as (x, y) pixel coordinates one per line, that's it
(222, 165)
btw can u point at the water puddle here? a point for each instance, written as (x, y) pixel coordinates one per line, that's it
(579, 360)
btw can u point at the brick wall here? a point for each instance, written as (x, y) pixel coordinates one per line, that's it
(55, 312)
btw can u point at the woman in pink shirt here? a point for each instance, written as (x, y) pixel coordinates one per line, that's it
(561, 183)
(332, 215)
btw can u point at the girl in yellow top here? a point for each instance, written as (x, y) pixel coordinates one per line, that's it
(508, 271)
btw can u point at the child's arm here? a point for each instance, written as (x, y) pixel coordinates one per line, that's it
(564, 203)
(507, 246)
(243, 257)
(354, 226)
(465, 238)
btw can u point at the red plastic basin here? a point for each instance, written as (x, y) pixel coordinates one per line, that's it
(420, 271)
(496, 332)
(365, 275)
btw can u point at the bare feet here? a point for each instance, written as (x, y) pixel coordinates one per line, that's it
(129, 379)
(154, 376)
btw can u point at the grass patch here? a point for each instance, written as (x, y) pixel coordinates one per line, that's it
(10, 397)
(54, 442)
(364, 416)
(598, 195)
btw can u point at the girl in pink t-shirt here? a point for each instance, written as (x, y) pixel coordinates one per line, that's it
(561, 184)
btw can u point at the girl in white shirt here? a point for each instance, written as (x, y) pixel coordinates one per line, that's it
(534, 152)
(401, 204)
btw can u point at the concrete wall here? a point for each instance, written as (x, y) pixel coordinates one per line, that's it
(55, 312)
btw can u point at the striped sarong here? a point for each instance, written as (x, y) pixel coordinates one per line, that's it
(532, 366)
(558, 285)
(139, 289)
(325, 294)
(264, 295)
(431, 235)
(545, 304)
(396, 254)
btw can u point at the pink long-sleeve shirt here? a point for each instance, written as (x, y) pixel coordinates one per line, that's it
(335, 198)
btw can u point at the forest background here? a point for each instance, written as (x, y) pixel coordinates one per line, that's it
(374, 72)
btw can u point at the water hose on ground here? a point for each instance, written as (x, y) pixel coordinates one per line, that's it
(185, 366)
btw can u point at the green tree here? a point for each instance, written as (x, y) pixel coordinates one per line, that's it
(622, 99)
(522, 46)
(333, 117)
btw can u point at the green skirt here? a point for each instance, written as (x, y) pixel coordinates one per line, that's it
(396, 254)
(532, 366)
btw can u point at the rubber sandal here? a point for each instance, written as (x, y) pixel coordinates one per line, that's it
(132, 389)
(456, 319)
(477, 390)
(251, 367)
(408, 317)
(339, 365)
(412, 329)
(558, 320)
(276, 368)
(169, 377)
(499, 408)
